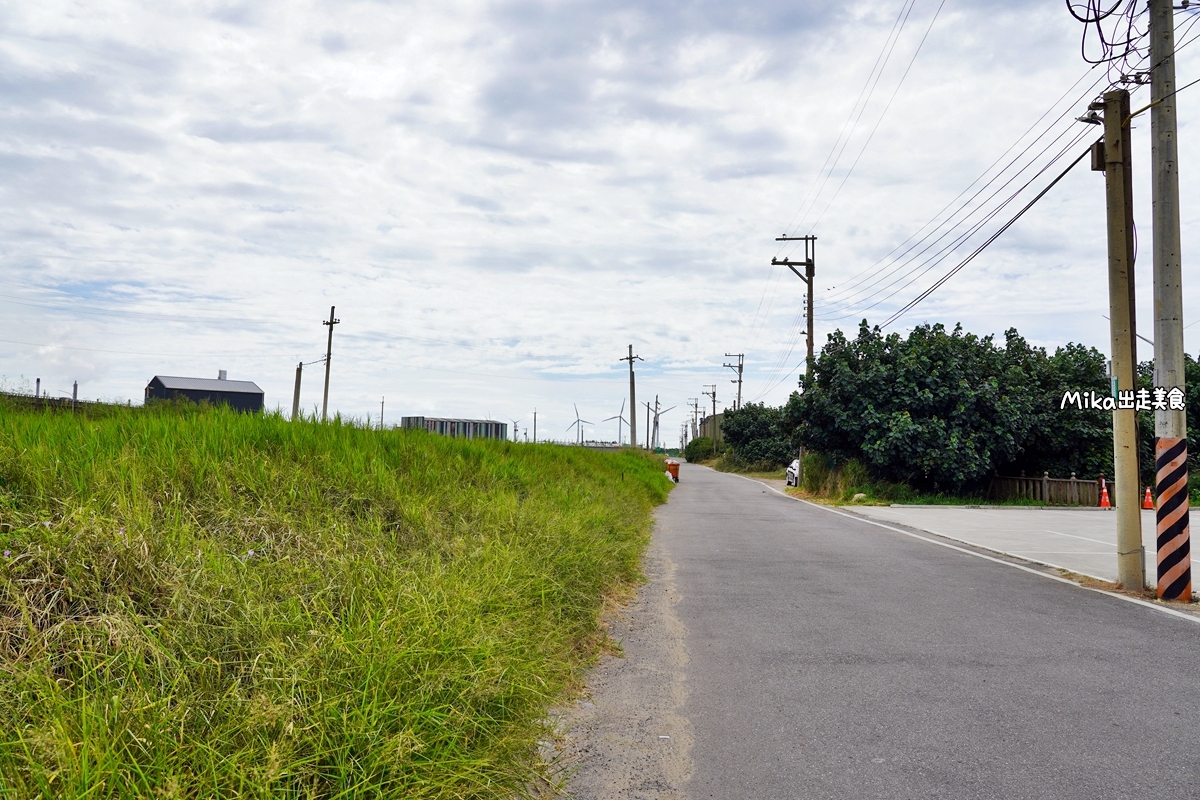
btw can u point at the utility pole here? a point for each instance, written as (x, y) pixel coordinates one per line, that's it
(741, 357)
(1170, 424)
(296, 392)
(654, 437)
(713, 424)
(647, 405)
(694, 402)
(381, 399)
(810, 269)
(632, 397)
(328, 354)
(1112, 155)
(535, 426)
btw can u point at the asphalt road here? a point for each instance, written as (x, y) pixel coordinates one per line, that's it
(831, 658)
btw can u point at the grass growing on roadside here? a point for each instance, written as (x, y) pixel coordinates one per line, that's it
(201, 604)
(843, 486)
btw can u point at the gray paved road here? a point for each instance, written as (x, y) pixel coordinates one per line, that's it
(829, 658)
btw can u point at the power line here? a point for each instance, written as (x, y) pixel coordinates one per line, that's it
(772, 283)
(883, 114)
(856, 287)
(913, 303)
(917, 270)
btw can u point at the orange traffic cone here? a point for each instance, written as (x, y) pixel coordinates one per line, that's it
(1148, 501)
(1104, 495)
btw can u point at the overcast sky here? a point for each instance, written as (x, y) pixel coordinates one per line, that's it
(500, 197)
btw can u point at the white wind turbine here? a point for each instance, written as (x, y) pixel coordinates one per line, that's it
(578, 426)
(657, 414)
(620, 420)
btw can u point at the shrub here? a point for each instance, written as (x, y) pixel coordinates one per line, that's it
(699, 449)
(755, 435)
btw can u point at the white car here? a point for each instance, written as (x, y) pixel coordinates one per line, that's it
(793, 473)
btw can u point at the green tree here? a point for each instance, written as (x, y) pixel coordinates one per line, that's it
(943, 410)
(756, 435)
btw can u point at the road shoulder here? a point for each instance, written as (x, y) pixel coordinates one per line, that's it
(625, 738)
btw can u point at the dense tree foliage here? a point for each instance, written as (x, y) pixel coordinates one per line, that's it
(756, 436)
(943, 410)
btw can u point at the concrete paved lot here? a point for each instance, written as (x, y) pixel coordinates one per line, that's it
(1083, 540)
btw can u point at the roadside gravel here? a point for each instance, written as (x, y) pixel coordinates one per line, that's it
(625, 740)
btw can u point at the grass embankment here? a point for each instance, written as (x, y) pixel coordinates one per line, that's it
(202, 604)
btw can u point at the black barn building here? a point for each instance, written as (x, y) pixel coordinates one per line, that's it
(238, 395)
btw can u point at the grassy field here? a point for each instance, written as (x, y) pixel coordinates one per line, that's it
(199, 604)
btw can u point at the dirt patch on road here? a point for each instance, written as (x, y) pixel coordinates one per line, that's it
(625, 739)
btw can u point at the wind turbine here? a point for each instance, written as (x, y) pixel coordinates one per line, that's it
(657, 414)
(620, 419)
(515, 432)
(578, 426)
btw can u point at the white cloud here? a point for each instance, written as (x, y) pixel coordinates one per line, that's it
(499, 197)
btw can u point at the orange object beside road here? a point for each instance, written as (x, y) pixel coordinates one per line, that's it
(1104, 495)
(1147, 501)
(673, 468)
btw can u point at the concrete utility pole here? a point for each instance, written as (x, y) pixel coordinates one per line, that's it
(328, 353)
(296, 392)
(694, 402)
(654, 430)
(535, 426)
(810, 269)
(741, 357)
(1112, 155)
(712, 425)
(381, 399)
(1170, 424)
(632, 397)
(647, 405)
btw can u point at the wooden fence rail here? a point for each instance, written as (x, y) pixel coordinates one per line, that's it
(1051, 491)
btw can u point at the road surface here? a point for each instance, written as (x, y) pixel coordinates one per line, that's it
(792, 652)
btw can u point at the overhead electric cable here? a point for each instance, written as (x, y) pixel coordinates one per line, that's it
(883, 114)
(913, 303)
(840, 296)
(855, 114)
(913, 266)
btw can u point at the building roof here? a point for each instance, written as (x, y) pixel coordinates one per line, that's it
(208, 385)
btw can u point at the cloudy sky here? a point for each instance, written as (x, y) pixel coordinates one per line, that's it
(500, 197)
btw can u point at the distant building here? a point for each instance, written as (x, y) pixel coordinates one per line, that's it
(710, 426)
(238, 395)
(464, 428)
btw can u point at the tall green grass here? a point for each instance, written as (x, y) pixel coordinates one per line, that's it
(201, 604)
